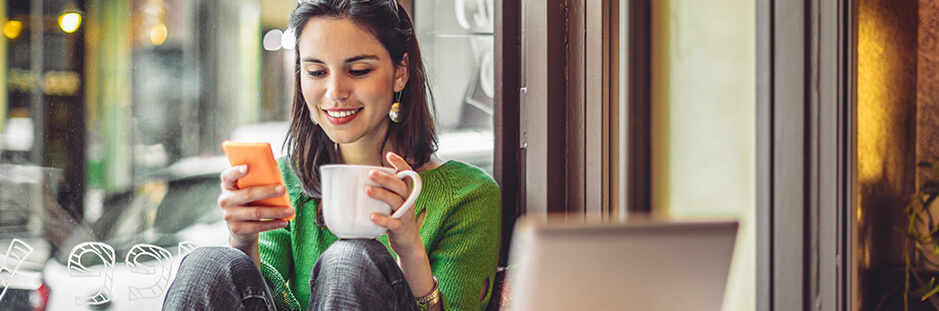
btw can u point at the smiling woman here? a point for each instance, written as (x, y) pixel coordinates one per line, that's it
(360, 98)
(348, 83)
(129, 101)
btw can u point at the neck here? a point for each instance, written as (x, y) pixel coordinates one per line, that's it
(361, 154)
(365, 151)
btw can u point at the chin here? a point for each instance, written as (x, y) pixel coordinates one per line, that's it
(340, 138)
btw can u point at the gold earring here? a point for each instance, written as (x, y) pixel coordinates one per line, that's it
(395, 113)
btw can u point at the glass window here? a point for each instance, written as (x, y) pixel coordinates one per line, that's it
(112, 116)
(704, 129)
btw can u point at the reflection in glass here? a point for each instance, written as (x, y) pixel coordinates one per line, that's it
(78, 266)
(15, 255)
(138, 260)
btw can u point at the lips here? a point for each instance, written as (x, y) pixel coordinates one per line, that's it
(341, 116)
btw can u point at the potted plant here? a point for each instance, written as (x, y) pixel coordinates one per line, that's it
(921, 243)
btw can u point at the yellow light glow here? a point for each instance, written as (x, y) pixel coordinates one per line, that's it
(158, 34)
(874, 76)
(11, 29)
(69, 22)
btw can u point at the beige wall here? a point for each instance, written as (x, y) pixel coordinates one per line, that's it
(704, 122)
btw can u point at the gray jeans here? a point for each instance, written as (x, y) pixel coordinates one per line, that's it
(349, 275)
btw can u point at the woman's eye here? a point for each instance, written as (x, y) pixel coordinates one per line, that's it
(361, 72)
(316, 73)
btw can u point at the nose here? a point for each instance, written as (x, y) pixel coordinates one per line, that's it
(337, 88)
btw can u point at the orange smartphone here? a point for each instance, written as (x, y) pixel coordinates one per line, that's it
(262, 168)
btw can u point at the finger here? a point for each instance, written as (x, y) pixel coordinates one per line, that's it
(392, 199)
(386, 222)
(230, 176)
(242, 197)
(390, 182)
(256, 213)
(253, 227)
(397, 161)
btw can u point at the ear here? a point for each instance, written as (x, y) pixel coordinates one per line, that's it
(401, 74)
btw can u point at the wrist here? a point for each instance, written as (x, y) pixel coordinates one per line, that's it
(415, 251)
(415, 256)
(242, 244)
(427, 301)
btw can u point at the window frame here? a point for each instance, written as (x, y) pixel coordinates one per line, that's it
(806, 154)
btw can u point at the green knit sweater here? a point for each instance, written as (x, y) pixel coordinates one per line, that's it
(460, 231)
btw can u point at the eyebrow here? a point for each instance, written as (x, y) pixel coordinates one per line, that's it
(348, 60)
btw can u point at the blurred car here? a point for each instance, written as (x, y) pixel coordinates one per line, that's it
(26, 192)
(127, 258)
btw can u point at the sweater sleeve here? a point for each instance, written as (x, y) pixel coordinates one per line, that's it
(468, 251)
(276, 266)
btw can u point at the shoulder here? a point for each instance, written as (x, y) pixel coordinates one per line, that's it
(291, 180)
(463, 177)
(283, 162)
(457, 188)
(286, 170)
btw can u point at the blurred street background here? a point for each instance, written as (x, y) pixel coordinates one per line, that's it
(111, 117)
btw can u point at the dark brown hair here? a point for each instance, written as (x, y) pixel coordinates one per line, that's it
(414, 138)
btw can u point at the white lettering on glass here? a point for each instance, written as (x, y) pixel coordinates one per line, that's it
(136, 260)
(15, 255)
(187, 247)
(77, 269)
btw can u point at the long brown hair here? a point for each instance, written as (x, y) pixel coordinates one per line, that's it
(414, 138)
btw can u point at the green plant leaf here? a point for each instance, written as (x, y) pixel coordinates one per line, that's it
(925, 290)
(930, 293)
(926, 164)
(930, 165)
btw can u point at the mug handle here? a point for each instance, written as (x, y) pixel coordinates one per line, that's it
(414, 192)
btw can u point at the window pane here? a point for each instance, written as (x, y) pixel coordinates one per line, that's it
(456, 38)
(704, 123)
(112, 116)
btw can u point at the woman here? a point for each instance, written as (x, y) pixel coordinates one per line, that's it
(360, 98)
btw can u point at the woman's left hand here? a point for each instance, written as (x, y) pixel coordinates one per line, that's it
(402, 233)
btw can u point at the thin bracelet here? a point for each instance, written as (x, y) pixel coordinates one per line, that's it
(431, 299)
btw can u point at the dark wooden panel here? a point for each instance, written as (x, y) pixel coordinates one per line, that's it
(639, 150)
(506, 123)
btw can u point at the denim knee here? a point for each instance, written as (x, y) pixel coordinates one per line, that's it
(218, 278)
(214, 260)
(370, 248)
(353, 258)
(359, 275)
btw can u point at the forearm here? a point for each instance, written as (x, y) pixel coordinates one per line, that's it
(416, 268)
(249, 248)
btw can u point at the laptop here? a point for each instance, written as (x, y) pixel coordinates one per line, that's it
(649, 265)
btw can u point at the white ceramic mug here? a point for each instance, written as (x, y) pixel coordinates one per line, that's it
(347, 208)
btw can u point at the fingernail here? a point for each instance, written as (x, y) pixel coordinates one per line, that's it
(279, 189)
(243, 169)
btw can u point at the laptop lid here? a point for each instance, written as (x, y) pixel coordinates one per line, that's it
(644, 266)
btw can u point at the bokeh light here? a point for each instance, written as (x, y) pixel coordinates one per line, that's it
(12, 29)
(272, 40)
(158, 34)
(69, 22)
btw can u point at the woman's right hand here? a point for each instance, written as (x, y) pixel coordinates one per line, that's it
(245, 220)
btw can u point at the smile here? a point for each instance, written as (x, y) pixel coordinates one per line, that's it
(340, 117)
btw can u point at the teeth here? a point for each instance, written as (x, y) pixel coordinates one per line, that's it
(341, 114)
